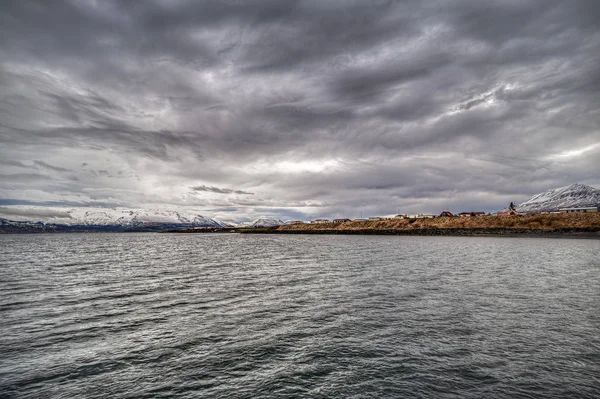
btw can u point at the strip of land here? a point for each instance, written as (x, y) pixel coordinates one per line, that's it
(548, 225)
(560, 225)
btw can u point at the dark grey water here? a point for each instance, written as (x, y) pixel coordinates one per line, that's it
(234, 316)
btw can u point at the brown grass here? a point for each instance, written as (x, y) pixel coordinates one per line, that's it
(544, 222)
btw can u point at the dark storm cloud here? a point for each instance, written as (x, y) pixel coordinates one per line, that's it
(362, 82)
(45, 165)
(213, 189)
(318, 106)
(18, 164)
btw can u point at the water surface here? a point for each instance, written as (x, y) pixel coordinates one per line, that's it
(240, 316)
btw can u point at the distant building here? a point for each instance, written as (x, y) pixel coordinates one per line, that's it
(359, 220)
(393, 217)
(320, 221)
(341, 220)
(421, 216)
(507, 213)
(375, 218)
(446, 214)
(297, 222)
(467, 214)
(586, 209)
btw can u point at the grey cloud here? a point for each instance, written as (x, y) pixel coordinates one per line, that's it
(45, 165)
(23, 177)
(414, 102)
(33, 213)
(218, 190)
(18, 164)
(363, 82)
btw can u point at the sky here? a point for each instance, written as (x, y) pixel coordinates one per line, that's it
(296, 109)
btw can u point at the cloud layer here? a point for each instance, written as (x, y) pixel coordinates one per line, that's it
(297, 108)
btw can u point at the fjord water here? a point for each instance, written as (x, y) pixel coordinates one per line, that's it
(249, 316)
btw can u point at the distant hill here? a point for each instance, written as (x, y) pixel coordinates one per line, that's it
(573, 196)
(12, 226)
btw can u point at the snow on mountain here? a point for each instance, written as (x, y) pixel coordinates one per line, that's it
(122, 216)
(573, 196)
(263, 222)
(106, 219)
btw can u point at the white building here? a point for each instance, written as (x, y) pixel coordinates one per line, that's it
(579, 210)
(393, 217)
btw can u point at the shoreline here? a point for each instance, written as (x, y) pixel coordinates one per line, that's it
(548, 225)
(540, 225)
(584, 233)
(591, 233)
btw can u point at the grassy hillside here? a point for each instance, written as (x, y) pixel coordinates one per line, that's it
(549, 222)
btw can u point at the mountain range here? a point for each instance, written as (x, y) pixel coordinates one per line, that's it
(107, 219)
(120, 219)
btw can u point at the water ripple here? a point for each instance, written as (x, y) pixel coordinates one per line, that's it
(233, 316)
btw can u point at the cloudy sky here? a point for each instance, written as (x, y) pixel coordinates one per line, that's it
(296, 109)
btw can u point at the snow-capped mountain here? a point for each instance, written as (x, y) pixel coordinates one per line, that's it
(263, 222)
(105, 219)
(121, 216)
(573, 196)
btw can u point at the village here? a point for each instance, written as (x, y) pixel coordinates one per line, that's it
(510, 211)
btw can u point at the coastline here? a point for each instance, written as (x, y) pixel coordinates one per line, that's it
(500, 232)
(538, 225)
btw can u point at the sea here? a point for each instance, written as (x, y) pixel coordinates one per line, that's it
(148, 315)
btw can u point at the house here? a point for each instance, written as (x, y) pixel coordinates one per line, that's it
(467, 214)
(318, 221)
(341, 220)
(421, 216)
(393, 217)
(446, 214)
(586, 209)
(375, 218)
(297, 222)
(507, 213)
